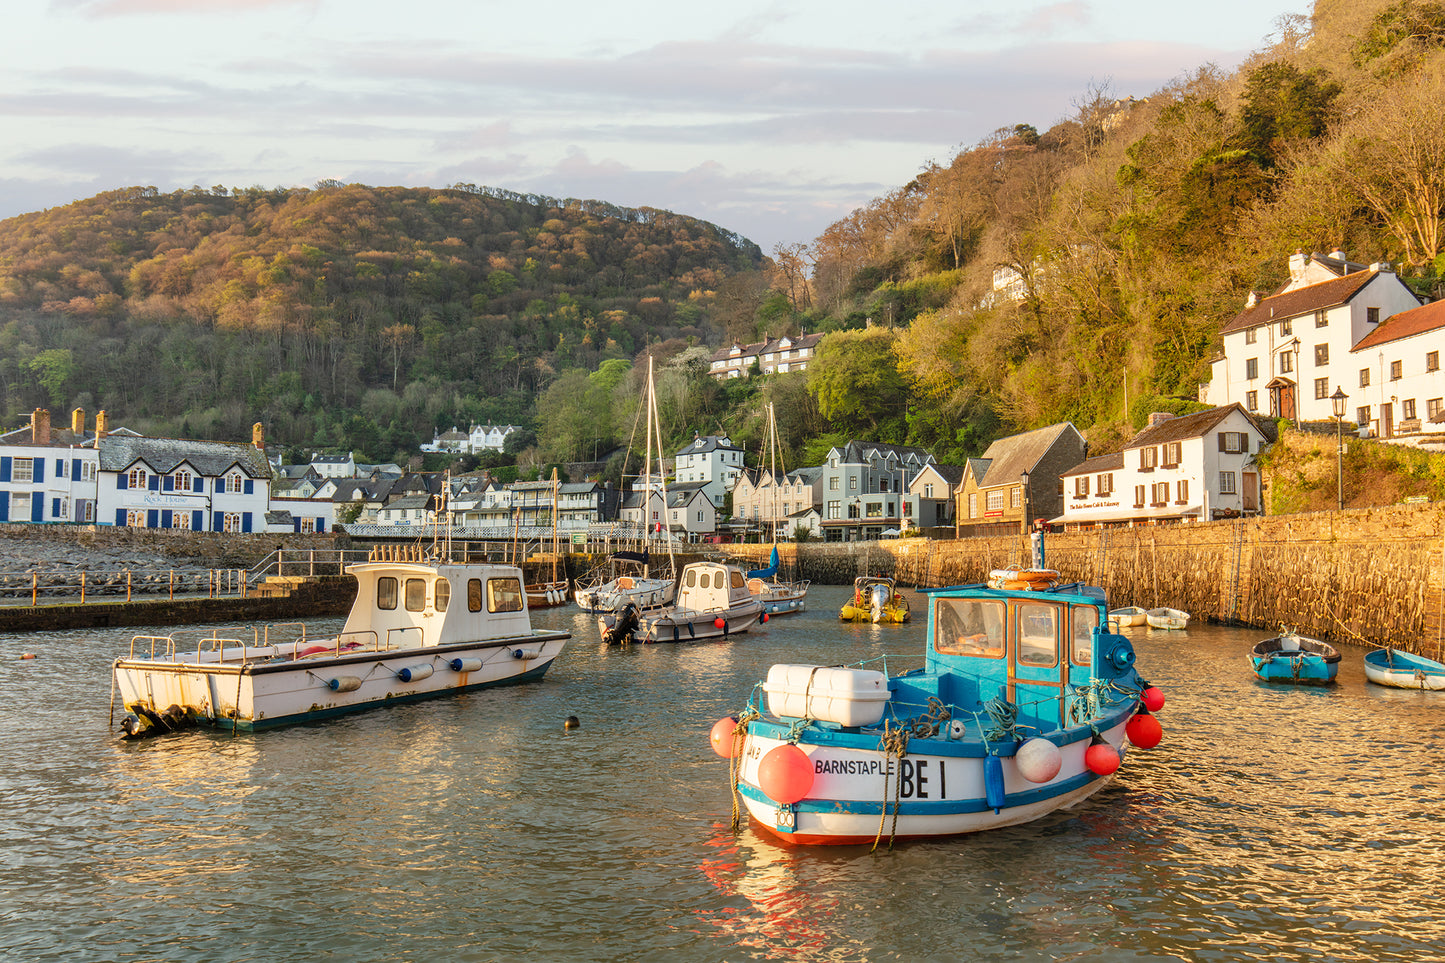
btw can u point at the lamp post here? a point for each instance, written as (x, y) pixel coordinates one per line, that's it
(1024, 477)
(1337, 404)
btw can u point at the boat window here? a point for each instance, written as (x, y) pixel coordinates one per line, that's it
(474, 595)
(443, 594)
(738, 579)
(691, 578)
(969, 627)
(386, 592)
(1085, 619)
(416, 595)
(1038, 634)
(504, 595)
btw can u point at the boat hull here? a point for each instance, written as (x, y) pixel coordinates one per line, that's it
(1401, 670)
(939, 792)
(260, 695)
(1295, 669)
(610, 598)
(1167, 619)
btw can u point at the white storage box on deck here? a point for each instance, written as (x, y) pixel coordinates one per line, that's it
(849, 697)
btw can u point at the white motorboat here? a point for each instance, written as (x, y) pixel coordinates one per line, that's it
(712, 601)
(417, 630)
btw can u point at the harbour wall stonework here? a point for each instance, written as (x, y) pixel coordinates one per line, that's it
(1368, 577)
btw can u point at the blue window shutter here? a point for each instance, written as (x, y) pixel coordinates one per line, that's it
(4, 468)
(4, 508)
(218, 521)
(152, 518)
(155, 483)
(250, 487)
(55, 508)
(40, 469)
(120, 517)
(198, 519)
(165, 518)
(245, 521)
(197, 486)
(169, 485)
(37, 503)
(120, 481)
(296, 523)
(75, 469)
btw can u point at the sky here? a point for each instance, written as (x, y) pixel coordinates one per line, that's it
(772, 119)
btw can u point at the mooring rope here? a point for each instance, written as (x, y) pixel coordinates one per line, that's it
(735, 760)
(894, 744)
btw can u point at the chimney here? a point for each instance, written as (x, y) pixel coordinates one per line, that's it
(1252, 300)
(1158, 418)
(1338, 255)
(100, 427)
(77, 423)
(40, 426)
(258, 436)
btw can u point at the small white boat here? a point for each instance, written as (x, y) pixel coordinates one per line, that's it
(1402, 670)
(417, 630)
(780, 598)
(604, 593)
(713, 601)
(1128, 616)
(1167, 619)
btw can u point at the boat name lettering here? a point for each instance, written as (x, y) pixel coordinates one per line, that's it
(916, 779)
(850, 767)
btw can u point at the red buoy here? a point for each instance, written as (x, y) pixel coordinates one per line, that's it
(786, 774)
(723, 742)
(1153, 698)
(765, 616)
(1102, 758)
(1144, 730)
(719, 622)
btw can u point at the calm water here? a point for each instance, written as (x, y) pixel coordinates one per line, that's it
(1272, 824)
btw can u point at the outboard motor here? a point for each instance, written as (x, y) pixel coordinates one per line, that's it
(877, 599)
(623, 626)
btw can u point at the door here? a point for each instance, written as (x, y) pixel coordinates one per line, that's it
(1251, 491)
(1387, 420)
(1035, 662)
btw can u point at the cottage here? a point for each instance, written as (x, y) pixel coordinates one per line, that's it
(1017, 479)
(213, 486)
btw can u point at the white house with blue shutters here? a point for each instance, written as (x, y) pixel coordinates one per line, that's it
(210, 486)
(48, 476)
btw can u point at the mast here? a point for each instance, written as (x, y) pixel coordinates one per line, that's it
(654, 429)
(554, 524)
(647, 470)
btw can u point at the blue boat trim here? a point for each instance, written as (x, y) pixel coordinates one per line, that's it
(941, 807)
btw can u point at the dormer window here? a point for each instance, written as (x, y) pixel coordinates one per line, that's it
(182, 480)
(234, 482)
(137, 478)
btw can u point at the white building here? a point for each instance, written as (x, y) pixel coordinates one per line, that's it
(48, 476)
(773, 356)
(1397, 387)
(334, 466)
(211, 486)
(478, 439)
(1285, 354)
(690, 512)
(1193, 467)
(712, 460)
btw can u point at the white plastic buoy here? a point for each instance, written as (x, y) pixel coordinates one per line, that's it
(465, 665)
(1038, 760)
(345, 683)
(415, 673)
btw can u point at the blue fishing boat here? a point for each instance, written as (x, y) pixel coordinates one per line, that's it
(1024, 706)
(1295, 659)
(1402, 670)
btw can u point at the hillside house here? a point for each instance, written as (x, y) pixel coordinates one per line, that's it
(1398, 387)
(772, 355)
(863, 487)
(1017, 479)
(712, 460)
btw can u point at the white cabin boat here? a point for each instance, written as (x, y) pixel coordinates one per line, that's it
(417, 630)
(712, 601)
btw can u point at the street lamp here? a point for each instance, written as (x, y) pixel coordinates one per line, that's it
(1337, 403)
(1024, 477)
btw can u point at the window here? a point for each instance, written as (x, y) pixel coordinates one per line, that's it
(995, 500)
(504, 595)
(1138, 496)
(1433, 408)
(1016, 497)
(853, 510)
(852, 483)
(1372, 315)
(1233, 442)
(20, 509)
(1364, 377)
(1432, 361)
(1321, 321)
(1286, 362)
(1322, 354)
(1083, 620)
(1038, 633)
(1159, 494)
(1322, 388)
(973, 504)
(1172, 454)
(416, 595)
(1286, 327)
(1251, 335)
(233, 482)
(89, 512)
(181, 480)
(833, 483)
(1251, 368)
(232, 522)
(386, 592)
(1226, 483)
(928, 490)
(969, 627)
(136, 478)
(1148, 458)
(1081, 486)
(875, 510)
(1181, 492)
(1407, 408)
(1105, 484)
(835, 509)
(23, 470)
(88, 471)
(443, 592)
(308, 526)
(1397, 370)
(1362, 415)
(1251, 400)
(181, 519)
(474, 595)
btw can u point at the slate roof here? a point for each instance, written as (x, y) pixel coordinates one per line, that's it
(409, 502)
(1300, 301)
(1193, 426)
(1112, 462)
(1427, 317)
(708, 443)
(165, 455)
(856, 452)
(1008, 458)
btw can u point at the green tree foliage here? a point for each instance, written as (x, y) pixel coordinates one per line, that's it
(855, 380)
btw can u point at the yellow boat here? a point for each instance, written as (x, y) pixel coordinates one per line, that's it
(875, 600)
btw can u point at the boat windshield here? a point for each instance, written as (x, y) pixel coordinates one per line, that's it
(969, 627)
(1084, 619)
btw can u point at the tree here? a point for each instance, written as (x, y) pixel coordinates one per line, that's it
(53, 369)
(855, 378)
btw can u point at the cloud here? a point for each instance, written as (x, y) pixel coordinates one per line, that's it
(127, 8)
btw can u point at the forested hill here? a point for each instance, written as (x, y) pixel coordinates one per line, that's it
(344, 315)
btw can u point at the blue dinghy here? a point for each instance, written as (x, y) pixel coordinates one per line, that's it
(1295, 659)
(1402, 670)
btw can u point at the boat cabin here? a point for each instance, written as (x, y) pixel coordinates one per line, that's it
(411, 604)
(711, 587)
(1029, 648)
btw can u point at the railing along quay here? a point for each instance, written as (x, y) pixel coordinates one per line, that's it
(32, 587)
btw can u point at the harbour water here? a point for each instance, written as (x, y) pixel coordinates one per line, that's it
(1273, 823)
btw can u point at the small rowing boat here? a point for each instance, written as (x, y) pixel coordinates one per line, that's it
(1167, 619)
(1295, 659)
(1402, 670)
(1128, 616)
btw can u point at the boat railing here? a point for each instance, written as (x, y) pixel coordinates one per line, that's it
(395, 638)
(168, 646)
